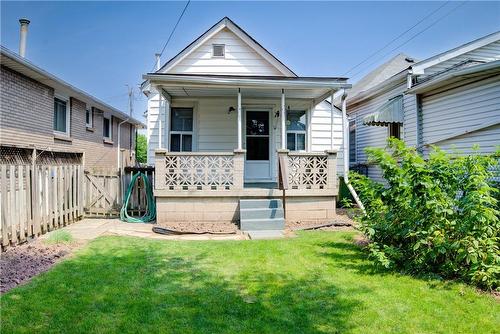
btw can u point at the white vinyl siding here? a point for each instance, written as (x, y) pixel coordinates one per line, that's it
(410, 119)
(460, 109)
(486, 53)
(321, 138)
(372, 136)
(239, 58)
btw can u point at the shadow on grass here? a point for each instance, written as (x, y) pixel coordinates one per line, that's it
(144, 288)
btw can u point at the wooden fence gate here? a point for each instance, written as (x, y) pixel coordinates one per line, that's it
(102, 192)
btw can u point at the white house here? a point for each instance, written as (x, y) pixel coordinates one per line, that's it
(221, 113)
(451, 100)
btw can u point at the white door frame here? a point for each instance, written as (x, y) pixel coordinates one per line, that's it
(270, 176)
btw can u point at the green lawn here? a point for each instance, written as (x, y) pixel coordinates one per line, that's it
(317, 283)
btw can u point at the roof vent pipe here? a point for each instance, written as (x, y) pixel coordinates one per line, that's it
(23, 36)
(158, 60)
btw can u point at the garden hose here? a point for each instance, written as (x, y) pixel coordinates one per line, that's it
(150, 214)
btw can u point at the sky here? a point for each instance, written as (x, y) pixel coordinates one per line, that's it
(100, 47)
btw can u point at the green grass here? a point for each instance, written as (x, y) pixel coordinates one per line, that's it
(59, 237)
(317, 283)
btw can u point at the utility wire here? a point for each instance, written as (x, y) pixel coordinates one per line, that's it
(173, 30)
(399, 36)
(414, 36)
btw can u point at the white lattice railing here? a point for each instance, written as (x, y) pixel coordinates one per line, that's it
(311, 170)
(198, 171)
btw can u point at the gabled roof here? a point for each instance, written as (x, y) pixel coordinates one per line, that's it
(25, 67)
(380, 74)
(420, 67)
(234, 28)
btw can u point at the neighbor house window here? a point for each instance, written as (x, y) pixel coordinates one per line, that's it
(296, 130)
(218, 50)
(106, 127)
(61, 115)
(395, 130)
(89, 117)
(181, 130)
(352, 140)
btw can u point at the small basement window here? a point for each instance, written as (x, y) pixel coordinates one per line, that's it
(218, 50)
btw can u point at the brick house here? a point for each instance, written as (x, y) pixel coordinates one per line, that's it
(41, 111)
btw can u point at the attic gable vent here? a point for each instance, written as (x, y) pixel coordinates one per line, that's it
(218, 50)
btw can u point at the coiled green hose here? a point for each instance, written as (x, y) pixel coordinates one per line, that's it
(150, 214)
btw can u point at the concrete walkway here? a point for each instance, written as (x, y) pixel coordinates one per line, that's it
(88, 229)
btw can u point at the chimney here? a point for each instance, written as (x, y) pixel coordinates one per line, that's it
(158, 60)
(24, 35)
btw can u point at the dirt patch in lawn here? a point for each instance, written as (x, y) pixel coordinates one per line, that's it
(20, 263)
(342, 222)
(200, 227)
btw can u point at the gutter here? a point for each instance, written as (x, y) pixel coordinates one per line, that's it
(346, 153)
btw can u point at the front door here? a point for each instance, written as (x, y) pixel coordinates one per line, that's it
(258, 146)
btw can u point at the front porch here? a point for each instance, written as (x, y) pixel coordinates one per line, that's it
(226, 139)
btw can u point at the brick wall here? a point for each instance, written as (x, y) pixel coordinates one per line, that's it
(26, 118)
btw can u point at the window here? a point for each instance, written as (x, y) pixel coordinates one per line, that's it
(352, 140)
(218, 50)
(395, 130)
(296, 130)
(106, 128)
(181, 130)
(89, 117)
(61, 116)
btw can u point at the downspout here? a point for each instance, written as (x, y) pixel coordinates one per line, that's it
(346, 152)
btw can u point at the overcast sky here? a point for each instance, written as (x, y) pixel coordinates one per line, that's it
(101, 47)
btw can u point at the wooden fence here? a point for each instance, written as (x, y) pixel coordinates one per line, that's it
(41, 191)
(35, 199)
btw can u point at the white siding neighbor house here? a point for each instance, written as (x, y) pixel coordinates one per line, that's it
(451, 100)
(222, 113)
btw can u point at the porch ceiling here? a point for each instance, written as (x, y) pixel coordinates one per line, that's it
(256, 87)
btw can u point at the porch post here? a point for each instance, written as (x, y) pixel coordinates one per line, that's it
(283, 121)
(332, 144)
(167, 124)
(240, 120)
(159, 118)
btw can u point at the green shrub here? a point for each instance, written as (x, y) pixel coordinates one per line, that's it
(59, 237)
(438, 216)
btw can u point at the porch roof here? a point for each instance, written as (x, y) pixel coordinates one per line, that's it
(183, 85)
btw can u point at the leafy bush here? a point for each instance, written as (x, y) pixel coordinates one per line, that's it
(141, 148)
(438, 216)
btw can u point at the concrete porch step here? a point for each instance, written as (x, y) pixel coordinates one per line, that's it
(262, 224)
(266, 234)
(260, 204)
(258, 213)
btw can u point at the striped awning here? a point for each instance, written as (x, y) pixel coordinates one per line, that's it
(389, 112)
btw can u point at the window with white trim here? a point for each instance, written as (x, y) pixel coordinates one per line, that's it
(107, 127)
(89, 117)
(296, 129)
(218, 50)
(395, 130)
(181, 130)
(61, 115)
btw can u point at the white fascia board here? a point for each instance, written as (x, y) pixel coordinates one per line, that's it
(181, 56)
(441, 80)
(419, 68)
(194, 81)
(378, 89)
(239, 33)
